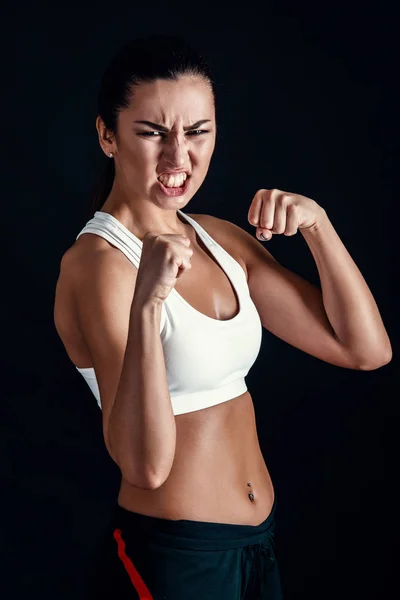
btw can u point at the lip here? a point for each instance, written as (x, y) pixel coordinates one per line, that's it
(175, 191)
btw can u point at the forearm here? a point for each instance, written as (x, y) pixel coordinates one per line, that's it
(142, 427)
(348, 301)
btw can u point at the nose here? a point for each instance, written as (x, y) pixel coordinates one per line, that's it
(175, 151)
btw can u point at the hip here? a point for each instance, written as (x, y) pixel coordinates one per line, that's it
(155, 558)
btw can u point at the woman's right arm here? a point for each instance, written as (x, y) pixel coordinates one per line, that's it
(122, 333)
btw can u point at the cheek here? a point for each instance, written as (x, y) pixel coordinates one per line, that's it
(205, 150)
(142, 159)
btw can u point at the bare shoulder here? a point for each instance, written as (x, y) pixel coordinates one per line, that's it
(90, 262)
(88, 255)
(93, 277)
(88, 251)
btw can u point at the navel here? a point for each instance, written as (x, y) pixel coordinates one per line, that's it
(250, 494)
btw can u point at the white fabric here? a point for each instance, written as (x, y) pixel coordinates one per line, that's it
(206, 359)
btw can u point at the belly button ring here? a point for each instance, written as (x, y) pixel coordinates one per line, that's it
(251, 496)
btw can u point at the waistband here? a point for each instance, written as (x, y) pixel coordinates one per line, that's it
(195, 535)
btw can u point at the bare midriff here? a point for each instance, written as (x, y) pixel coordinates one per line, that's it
(217, 454)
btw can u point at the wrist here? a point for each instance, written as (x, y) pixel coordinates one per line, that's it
(149, 305)
(321, 219)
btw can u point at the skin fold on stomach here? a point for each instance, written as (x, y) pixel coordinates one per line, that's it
(217, 454)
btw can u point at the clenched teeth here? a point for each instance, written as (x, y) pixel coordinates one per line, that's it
(173, 180)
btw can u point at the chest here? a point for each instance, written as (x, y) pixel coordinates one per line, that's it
(206, 286)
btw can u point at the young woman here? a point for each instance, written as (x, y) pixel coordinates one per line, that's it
(156, 310)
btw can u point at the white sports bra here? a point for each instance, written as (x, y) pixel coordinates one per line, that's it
(206, 359)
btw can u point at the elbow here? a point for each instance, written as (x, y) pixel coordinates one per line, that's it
(155, 483)
(145, 482)
(142, 474)
(376, 364)
(133, 475)
(148, 479)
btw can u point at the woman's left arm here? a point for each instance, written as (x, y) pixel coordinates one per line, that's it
(348, 301)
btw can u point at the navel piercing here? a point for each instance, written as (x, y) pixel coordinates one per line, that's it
(251, 496)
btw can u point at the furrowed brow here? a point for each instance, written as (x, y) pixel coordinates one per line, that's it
(166, 130)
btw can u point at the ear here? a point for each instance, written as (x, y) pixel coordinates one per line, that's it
(106, 137)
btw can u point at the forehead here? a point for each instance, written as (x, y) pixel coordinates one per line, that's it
(186, 98)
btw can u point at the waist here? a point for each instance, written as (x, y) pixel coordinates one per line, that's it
(193, 534)
(217, 455)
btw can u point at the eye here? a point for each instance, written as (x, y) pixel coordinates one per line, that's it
(199, 131)
(161, 133)
(149, 133)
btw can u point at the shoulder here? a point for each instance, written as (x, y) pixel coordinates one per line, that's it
(91, 255)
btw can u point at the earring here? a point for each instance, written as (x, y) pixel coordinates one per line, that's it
(111, 155)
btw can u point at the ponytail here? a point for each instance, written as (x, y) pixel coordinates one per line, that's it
(103, 187)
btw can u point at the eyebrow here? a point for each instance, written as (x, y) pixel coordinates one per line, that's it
(162, 128)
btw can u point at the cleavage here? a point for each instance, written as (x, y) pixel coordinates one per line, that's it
(206, 286)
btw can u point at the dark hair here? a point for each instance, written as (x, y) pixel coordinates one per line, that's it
(142, 60)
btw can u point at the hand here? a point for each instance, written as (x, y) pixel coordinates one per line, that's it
(276, 211)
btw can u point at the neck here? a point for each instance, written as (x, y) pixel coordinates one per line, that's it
(140, 221)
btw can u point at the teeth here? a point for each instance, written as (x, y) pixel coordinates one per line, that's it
(173, 181)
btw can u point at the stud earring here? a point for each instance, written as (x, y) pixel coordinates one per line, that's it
(110, 154)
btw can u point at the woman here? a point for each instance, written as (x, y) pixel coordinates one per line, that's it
(165, 345)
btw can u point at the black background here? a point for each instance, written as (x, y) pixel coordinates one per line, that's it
(307, 103)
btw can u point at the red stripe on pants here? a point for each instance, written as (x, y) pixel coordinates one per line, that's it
(133, 573)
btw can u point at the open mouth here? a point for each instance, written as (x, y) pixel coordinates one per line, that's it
(176, 190)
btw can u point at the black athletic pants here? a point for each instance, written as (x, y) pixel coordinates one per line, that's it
(148, 558)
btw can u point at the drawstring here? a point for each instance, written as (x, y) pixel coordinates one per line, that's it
(263, 559)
